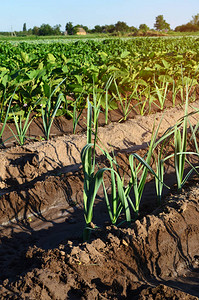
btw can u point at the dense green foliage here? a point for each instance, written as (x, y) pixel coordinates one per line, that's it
(35, 69)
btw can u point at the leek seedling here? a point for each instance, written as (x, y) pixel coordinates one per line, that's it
(159, 178)
(21, 125)
(76, 116)
(180, 144)
(98, 101)
(145, 96)
(7, 112)
(21, 128)
(108, 84)
(96, 106)
(141, 105)
(143, 166)
(136, 184)
(150, 98)
(179, 154)
(123, 197)
(125, 103)
(161, 93)
(121, 200)
(114, 205)
(175, 91)
(49, 113)
(193, 136)
(194, 131)
(92, 181)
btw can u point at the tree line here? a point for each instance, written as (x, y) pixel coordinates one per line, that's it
(70, 29)
(120, 27)
(193, 25)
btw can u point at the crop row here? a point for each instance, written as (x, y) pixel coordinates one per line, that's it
(123, 201)
(141, 67)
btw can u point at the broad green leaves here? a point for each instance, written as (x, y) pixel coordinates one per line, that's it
(133, 62)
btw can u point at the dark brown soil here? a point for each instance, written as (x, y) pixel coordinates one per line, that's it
(42, 255)
(155, 259)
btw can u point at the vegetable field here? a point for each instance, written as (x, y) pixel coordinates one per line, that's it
(144, 69)
(99, 169)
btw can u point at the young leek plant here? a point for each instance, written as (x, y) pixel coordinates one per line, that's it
(161, 92)
(159, 180)
(49, 112)
(124, 102)
(143, 167)
(7, 112)
(21, 128)
(194, 131)
(180, 146)
(21, 125)
(107, 96)
(117, 200)
(76, 116)
(92, 180)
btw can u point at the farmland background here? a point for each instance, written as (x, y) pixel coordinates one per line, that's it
(32, 69)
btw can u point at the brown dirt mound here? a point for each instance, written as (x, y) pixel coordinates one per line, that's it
(41, 251)
(62, 154)
(149, 261)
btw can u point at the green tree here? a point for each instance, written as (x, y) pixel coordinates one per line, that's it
(195, 20)
(30, 31)
(133, 28)
(71, 30)
(24, 27)
(98, 29)
(143, 27)
(109, 28)
(45, 29)
(161, 24)
(56, 30)
(189, 27)
(121, 26)
(35, 30)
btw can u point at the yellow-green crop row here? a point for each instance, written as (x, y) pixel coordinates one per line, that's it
(141, 69)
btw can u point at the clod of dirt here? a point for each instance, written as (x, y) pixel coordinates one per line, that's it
(162, 292)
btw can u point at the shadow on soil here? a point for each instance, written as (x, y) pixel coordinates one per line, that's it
(53, 215)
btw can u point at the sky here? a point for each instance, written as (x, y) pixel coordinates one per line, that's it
(14, 13)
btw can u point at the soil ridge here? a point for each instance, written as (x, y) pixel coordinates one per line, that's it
(148, 259)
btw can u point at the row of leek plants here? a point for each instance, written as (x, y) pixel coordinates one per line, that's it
(23, 120)
(121, 201)
(141, 100)
(107, 100)
(49, 109)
